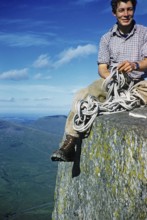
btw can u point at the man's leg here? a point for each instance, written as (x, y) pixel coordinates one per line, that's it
(67, 150)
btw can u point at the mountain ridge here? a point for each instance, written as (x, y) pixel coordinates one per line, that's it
(27, 176)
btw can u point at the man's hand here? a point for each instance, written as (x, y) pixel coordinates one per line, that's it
(126, 67)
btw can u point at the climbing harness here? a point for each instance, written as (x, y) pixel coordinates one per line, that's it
(121, 96)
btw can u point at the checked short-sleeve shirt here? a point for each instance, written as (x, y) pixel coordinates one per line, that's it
(115, 48)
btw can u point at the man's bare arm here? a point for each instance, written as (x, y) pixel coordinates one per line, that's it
(143, 64)
(103, 70)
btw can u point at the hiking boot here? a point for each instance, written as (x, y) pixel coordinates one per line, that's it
(67, 151)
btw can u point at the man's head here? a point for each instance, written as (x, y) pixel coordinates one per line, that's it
(124, 11)
(115, 3)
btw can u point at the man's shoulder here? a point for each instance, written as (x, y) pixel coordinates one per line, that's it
(110, 32)
(107, 35)
(141, 28)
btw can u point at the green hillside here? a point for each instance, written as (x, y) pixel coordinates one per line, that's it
(27, 176)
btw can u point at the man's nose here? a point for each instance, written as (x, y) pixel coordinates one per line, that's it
(126, 13)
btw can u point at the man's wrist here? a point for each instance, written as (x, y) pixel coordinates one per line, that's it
(136, 66)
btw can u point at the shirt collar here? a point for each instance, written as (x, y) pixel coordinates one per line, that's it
(114, 31)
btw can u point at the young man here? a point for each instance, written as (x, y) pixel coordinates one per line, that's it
(125, 45)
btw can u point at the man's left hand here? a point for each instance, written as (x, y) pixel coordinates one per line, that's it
(126, 67)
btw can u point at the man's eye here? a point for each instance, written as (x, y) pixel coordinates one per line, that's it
(121, 10)
(130, 9)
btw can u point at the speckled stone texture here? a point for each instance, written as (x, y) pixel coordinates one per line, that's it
(108, 180)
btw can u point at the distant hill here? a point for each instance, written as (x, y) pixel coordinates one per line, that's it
(27, 176)
(51, 124)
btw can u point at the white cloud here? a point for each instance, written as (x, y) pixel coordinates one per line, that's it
(40, 76)
(64, 57)
(27, 91)
(42, 61)
(23, 40)
(73, 53)
(15, 75)
(27, 98)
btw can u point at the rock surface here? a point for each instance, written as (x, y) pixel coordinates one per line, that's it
(108, 181)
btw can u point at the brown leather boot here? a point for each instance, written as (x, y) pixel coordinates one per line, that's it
(67, 151)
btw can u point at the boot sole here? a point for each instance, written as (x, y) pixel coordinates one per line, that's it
(58, 156)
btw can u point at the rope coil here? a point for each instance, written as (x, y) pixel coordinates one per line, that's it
(120, 97)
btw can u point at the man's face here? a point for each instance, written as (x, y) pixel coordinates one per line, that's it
(124, 13)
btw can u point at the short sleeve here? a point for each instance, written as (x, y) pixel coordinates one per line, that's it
(144, 47)
(103, 51)
(144, 50)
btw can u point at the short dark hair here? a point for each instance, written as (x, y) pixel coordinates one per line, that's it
(115, 2)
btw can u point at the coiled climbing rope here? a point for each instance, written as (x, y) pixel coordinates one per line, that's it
(120, 97)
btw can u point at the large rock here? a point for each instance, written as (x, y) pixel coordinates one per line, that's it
(109, 180)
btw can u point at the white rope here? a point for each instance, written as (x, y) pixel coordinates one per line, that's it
(119, 99)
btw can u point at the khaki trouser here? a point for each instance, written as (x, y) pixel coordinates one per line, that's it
(94, 89)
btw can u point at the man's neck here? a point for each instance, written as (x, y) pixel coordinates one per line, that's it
(125, 29)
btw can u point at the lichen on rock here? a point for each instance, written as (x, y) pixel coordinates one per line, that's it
(111, 182)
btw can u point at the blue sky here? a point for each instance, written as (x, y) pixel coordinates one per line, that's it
(48, 51)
